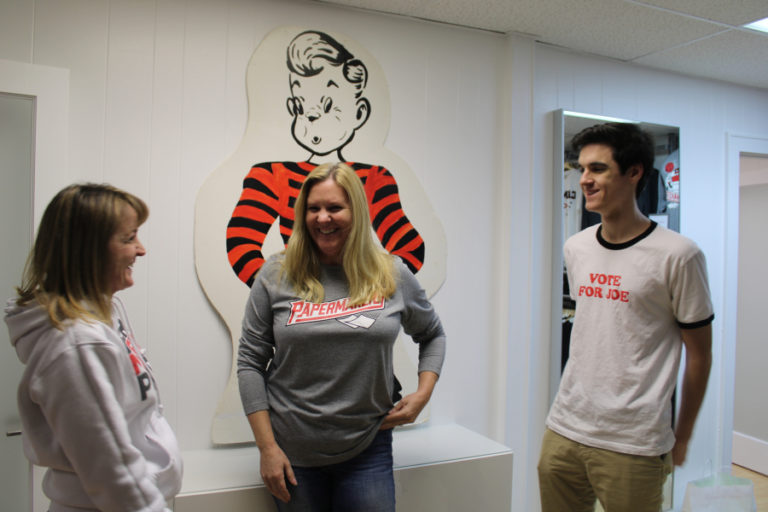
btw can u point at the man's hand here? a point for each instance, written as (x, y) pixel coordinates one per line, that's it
(679, 452)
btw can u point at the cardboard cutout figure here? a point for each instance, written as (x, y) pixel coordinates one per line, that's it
(328, 106)
(336, 100)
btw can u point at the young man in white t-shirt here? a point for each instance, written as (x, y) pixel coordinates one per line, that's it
(641, 294)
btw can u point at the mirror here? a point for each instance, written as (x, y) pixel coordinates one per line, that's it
(659, 201)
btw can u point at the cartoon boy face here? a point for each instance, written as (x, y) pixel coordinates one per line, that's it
(325, 111)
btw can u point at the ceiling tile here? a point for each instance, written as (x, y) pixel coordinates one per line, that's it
(676, 35)
(484, 14)
(732, 13)
(730, 56)
(611, 28)
(619, 30)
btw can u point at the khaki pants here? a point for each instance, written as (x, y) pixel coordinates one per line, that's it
(572, 476)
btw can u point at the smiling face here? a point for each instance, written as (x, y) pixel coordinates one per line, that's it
(325, 111)
(124, 247)
(329, 220)
(606, 190)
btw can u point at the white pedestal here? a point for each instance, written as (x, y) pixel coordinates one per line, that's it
(444, 467)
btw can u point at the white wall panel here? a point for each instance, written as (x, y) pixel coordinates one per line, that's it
(73, 34)
(244, 31)
(161, 233)
(129, 102)
(128, 124)
(16, 22)
(205, 345)
(451, 114)
(587, 86)
(474, 170)
(620, 92)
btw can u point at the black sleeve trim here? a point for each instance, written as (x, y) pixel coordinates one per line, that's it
(696, 325)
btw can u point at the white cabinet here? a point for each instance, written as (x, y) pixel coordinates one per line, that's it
(443, 467)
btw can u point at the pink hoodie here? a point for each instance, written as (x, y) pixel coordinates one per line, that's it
(91, 414)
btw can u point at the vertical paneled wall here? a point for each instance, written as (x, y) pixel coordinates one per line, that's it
(158, 101)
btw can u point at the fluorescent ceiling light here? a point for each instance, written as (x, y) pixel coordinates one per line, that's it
(597, 117)
(760, 25)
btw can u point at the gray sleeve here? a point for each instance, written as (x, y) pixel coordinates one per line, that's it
(421, 323)
(256, 347)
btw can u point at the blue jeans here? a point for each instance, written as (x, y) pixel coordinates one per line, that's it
(363, 483)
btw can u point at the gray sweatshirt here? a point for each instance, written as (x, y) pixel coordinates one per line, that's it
(324, 371)
(91, 414)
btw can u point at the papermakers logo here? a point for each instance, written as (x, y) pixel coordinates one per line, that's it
(303, 311)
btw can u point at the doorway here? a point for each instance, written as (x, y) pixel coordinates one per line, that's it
(750, 417)
(737, 146)
(35, 114)
(17, 119)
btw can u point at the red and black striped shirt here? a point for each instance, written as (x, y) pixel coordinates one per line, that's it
(270, 190)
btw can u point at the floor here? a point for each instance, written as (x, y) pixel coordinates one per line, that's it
(760, 482)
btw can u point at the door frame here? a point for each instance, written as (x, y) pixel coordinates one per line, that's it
(736, 145)
(49, 88)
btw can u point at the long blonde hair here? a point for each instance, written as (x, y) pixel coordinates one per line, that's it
(66, 272)
(369, 269)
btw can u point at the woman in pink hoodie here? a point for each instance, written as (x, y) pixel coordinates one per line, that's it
(88, 402)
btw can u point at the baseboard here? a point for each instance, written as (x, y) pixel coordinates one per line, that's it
(750, 452)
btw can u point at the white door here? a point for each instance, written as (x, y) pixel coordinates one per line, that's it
(16, 172)
(750, 417)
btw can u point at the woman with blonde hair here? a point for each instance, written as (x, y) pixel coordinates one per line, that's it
(315, 358)
(88, 402)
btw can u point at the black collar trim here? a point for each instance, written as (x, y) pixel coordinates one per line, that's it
(623, 245)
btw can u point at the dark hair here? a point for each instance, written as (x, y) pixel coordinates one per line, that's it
(629, 143)
(309, 51)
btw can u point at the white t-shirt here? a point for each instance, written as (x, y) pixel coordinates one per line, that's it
(632, 300)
